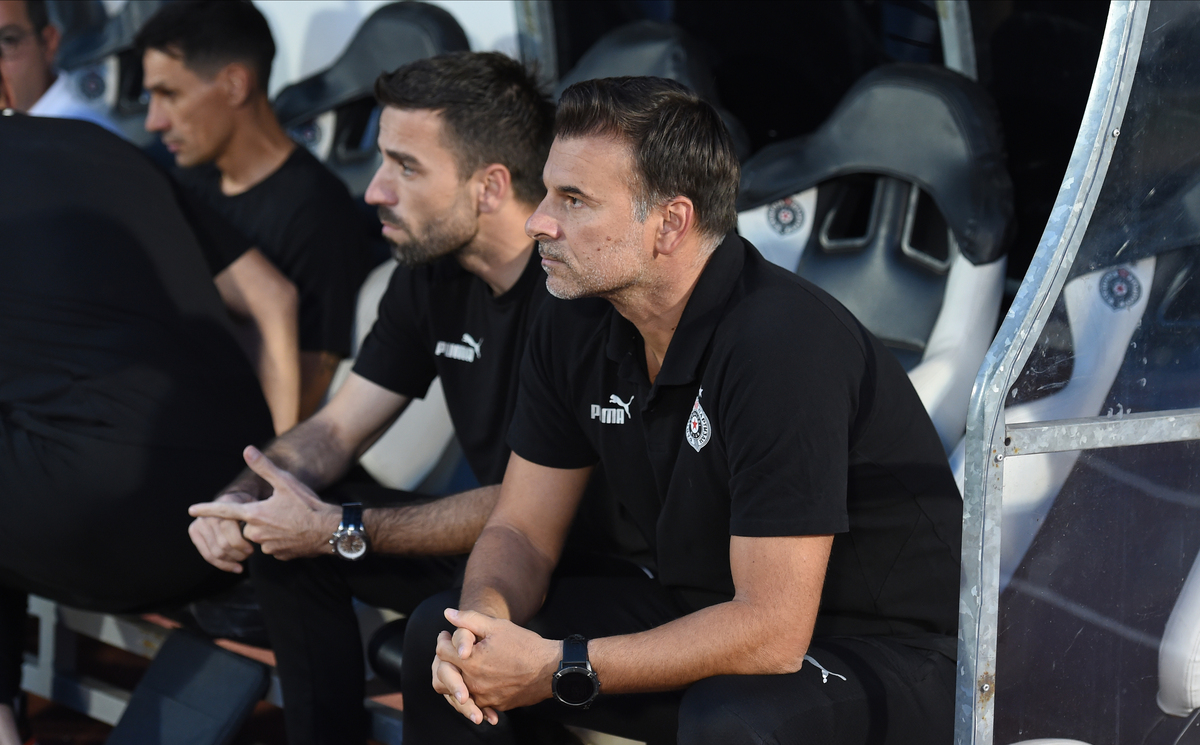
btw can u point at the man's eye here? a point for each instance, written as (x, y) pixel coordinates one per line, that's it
(574, 202)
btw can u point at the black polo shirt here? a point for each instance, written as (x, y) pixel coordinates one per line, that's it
(775, 413)
(439, 320)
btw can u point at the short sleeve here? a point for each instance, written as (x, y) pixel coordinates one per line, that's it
(395, 355)
(221, 243)
(326, 259)
(543, 430)
(788, 399)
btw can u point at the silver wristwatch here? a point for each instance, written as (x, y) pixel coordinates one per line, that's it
(349, 541)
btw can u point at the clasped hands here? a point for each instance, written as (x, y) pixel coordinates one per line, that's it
(491, 665)
(293, 522)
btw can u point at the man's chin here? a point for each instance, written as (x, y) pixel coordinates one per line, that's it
(411, 255)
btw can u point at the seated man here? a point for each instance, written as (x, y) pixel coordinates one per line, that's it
(28, 45)
(805, 520)
(118, 372)
(262, 302)
(206, 68)
(463, 137)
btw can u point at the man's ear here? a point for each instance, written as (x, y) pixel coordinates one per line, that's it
(50, 41)
(237, 80)
(678, 217)
(496, 182)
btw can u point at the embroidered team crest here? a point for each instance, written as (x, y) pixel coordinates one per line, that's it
(785, 216)
(698, 429)
(1120, 288)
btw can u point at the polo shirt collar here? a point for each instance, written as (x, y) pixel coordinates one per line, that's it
(700, 317)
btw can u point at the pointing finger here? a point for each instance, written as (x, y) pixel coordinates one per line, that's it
(225, 510)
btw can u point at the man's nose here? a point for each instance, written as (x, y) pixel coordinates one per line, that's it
(378, 192)
(541, 226)
(156, 121)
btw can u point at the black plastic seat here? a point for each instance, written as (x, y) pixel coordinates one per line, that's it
(660, 50)
(900, 206)
(333, 112)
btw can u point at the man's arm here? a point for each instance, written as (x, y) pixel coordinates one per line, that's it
(316, 373)
(268, 306)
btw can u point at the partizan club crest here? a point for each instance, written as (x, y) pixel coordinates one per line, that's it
(698, 429)
(785, 216)
(1120, 288)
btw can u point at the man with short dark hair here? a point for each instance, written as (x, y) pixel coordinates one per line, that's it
(804, 519)
(206, 68)
(463, 138)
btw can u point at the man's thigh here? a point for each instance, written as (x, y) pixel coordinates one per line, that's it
(859, 692)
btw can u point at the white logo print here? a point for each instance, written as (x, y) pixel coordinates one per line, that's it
(468, 351)
(612, 416)
(698, 429)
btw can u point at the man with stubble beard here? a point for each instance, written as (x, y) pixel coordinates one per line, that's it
(464, 138)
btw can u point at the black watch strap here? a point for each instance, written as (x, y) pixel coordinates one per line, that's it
(574, 652)
(352, 516)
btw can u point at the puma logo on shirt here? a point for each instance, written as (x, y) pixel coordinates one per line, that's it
(468, 351)
(615, 415)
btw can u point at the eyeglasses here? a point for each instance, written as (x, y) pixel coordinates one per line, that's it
(11, 41)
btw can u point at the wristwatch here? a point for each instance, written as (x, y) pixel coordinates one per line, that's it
(575, 684)
(349, 541)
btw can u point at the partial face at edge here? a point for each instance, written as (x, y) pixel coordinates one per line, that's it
(427, 211)
(193, 114)
(586, 228)
(26, 67)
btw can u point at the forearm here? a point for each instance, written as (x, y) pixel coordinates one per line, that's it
(733, 638)
(507, 577)
(445, 526)
(311, 452)
(278, 368)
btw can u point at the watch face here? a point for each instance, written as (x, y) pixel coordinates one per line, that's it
(574, 686)
(352, 545)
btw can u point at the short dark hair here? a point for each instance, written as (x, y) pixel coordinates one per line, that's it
(39, 16)
(492, 111)
(679, 144)
(210, 34)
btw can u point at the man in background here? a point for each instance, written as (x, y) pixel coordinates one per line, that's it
(206, 68)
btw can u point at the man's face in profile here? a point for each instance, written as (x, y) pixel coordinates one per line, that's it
(26, 59)
(426, 209)
(193, 114)
(588, 234)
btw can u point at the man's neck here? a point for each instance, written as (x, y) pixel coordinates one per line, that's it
(258, 147)
(500, 250)
(656, 308)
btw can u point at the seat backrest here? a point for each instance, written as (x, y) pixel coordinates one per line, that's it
(333, 113)
(105, 70)
(900, 207)
(657, 49)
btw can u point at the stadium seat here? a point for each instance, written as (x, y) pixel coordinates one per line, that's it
(899, 206)
(659, 49)
(334, 114)
(105, 70)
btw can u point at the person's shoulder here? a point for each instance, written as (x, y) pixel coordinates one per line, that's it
(572, 325)
(309, 178)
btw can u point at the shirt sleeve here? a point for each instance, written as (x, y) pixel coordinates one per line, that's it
(543, 429)
(395, 354)
(221, 243)
(787, 405)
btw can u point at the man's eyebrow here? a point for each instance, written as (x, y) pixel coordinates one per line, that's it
(12, 27)
(573, 190)
(400, 157)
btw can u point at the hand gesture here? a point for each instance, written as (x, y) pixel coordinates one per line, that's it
(290, 524)
(220, 541)
(492, 665)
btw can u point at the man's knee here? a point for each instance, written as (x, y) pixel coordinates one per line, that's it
(749, 710)
(420, 636)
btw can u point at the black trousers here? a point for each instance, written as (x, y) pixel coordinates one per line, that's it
(875, 691)
(314, 631)
(99, 525)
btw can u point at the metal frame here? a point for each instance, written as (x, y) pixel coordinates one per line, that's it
(980, 583)
(958, 43)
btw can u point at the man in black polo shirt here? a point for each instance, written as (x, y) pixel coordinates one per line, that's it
(206, 69)
(805, 521)
(463, 137)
